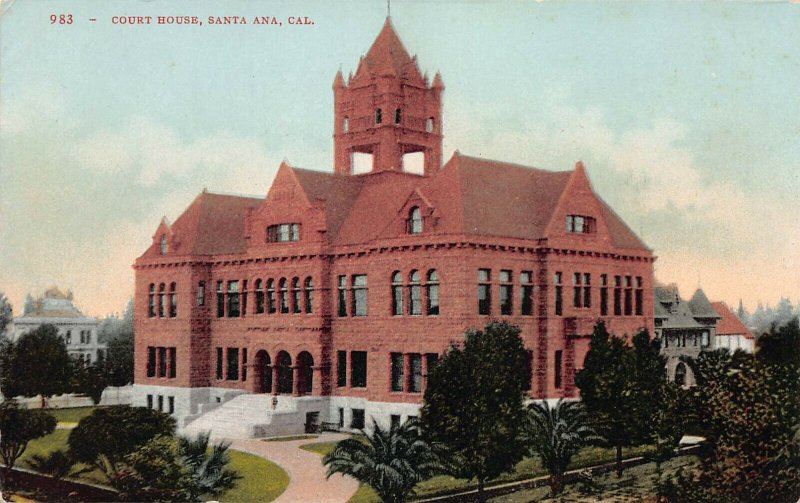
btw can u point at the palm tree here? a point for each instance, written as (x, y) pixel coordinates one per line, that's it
(555, 435)
(206, 467)
(390, 461)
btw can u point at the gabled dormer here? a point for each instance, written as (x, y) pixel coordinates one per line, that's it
(164, 241)
(417, 216)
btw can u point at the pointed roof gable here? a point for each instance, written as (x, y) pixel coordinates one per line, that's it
(701, 306)
(729, 324)
(388, 56)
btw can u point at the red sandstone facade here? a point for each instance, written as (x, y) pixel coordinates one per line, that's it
(348, 286)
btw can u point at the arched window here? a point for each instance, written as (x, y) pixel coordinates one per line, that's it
(151, 301)
(309, 294)
(173, 301)
(346, 124)
(397, 116)
(397, 293)
(414, 221)
(271, 296)
(162, 301)
(429, 125)
(378, 116)
(414, 294)
(297, 303)
(432, 286)
(259, 296)
(284, 296)
(285, 377)
(163, 244)
(680, 374)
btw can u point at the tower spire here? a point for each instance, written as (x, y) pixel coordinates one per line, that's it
(388, 8)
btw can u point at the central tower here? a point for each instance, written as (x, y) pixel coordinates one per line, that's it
(387, 110)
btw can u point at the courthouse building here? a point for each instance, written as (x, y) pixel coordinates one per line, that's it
(330, 299)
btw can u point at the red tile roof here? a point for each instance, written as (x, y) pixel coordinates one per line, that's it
(730, 324)
(388, 56)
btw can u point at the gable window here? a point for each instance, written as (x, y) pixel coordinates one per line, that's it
(415, 221)
(506, 292)
(342, 297)
(163, 245)
(151, 301)
(283, 233)
(397, 116)
(432, 287)
(359, 295)
(233, 299)
(579, 224)
(173, 301)
(358, 369)
(484, 292)
(283, 296)
(414, 294)
(201, 293)
(297, 301)
(557, 277)
(259, 297)
(396, 361)
(378, 116)
(397, 293)
(309, 294)
(526, 282)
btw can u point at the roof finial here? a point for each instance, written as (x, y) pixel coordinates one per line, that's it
(388, 8)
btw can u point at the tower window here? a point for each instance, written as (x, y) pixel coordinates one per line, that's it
(309, 294)
(415, 221)
(163, 244)
(201, 293)
(346, 124)
(397, 116)
(378, 116)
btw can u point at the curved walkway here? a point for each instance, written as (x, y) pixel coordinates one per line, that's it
(307, 480)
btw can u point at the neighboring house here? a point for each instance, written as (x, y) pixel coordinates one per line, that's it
(684, 329)
(332, 298)
(56, 308)
(731, 332)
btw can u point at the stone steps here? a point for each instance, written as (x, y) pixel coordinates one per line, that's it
(244, 416)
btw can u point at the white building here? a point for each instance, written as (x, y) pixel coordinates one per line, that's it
(731, 332)
(56, 308)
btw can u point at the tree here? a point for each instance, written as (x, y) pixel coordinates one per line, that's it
(58, 464)
(38, 364)
(473, 404)
(781, 344)
(18, 427)
(119, 359)
(6, 313)
(390, 461)
(555, 435)
(89, 379)
(208, 475)
(30, 305)
(107, 435)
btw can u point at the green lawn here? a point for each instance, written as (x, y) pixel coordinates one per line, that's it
(261, 480)
(71, 415)
(527, 468)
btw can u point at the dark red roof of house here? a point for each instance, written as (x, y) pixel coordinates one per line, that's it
(730, 324)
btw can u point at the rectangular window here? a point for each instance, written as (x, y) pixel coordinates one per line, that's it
(357, 419)
(233, 364)
(394, 421)
(151, 361)
(161, 403)
(219, 363)
(557, 370)
(342, 304)
(149, 401)
(397, 371)
(220, 300)
(283, 233)
(526, 282)
(506, 293)
(617, 295)
(587, 290)
(151, 302)
(580, 224)
(576, 290)
(359, 294)
(172, 363)
(341, 369)
(341, 417)
(415, 371)
(484, 292)
(431, 359)
(244, 364)
(201, 293)
(603, 294)
(162, 362)
(628, 296)
(233, 299)
(171, 401)
(358, 369)
(244, 298)
(639, 296)
(559, 297)
(705, 340)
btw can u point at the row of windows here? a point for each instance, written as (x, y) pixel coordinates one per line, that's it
(231, 364)
(85, 337)
(628, 294)
(679, 340)
(358, 369)
(357, 290)
(161, 308)
(161, 361)
(398, 115)
(406, 370)
(414, 288)
(505, 291)
(271, 297)
(160, 401)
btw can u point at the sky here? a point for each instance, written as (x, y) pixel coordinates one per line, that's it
(686, 115)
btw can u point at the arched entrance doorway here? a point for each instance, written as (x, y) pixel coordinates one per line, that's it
(680, 374)
(285, 378)
(305, 377)
(263, 372)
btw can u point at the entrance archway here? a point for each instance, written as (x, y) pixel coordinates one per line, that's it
(263, 372)
(285, 378)
(680, 374)
(305, 377)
